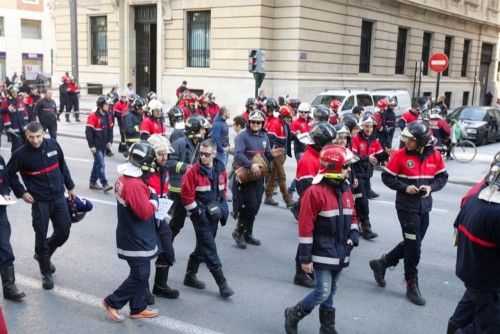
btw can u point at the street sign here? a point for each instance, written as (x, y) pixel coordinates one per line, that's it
(438, 62)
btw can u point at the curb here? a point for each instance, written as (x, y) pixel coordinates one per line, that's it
(463, 182)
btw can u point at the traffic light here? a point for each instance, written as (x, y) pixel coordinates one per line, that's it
(256, 61)
(252, 61)
(261, 60)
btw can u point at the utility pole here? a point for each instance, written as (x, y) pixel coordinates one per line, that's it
(74, 39)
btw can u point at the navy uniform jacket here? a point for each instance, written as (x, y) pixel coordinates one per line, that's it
(185, 152)
(478, 253)
(4, 184)
(248, 144)
(46, 110)
(136, 238)
(132, 126)
(43, 170)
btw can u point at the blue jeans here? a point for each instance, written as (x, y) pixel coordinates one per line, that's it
(98, 168)
(326, 286)
(223, 157)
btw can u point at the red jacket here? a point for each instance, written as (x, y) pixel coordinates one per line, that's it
(307, 168)
(245, 115)
(150, 126)
(73, 88)
(440, 129)
(378, 120)
(405, 168)
(212, 110)
(363, 147)
(325, 225)
(155, 181)
(16, 119)
(300, 126)
(121, 107)
(196, 189)
(407, 118)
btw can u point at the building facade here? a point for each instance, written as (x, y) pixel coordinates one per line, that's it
(310, 46)
(26, 38)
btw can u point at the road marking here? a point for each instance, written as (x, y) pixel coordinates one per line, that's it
(389, 202)
(82, 297)
(77, 159)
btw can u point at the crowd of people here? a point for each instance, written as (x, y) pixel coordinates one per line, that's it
(168, 177)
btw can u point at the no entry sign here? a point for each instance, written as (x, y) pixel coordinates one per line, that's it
(438, 62)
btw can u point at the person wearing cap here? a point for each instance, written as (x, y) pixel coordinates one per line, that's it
(203, 193)
(328, 231)
(45, 174)
(280, 139)
(300, 127)
(72, 103)
(136, 238)
(478, 261)
(414, 172)
(99, 134)
(14, 117)
(153, 122)
(248, 143)
(45, 111)
(159, 182)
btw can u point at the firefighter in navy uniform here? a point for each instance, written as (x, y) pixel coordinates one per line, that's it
(328, 231)
(99, 134)
(45, 111)
(478, 258)
(45, 175)
(136, 238)
(204, 188)
(14, 117)
(176, 117)
(185, 154)
(414, 172)
(10, 290)
(249, 143)
(132, 120)
(307, 168)
(159, 182)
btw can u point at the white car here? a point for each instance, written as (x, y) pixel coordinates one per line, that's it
(401, 96)
(349, 98)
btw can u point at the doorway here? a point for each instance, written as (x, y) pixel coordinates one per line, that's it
(484, 69)
(145, 49)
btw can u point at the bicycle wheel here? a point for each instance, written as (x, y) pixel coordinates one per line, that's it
(464, 151)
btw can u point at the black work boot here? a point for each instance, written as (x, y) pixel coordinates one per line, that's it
(52, 267)
(453, 328)
(9, 286)
(366, 231)
(413, 292)
(238, 234)
(270, 201)
(150, 299)
(190, 278)
(372, 194)
(161, 288)
(77, 117)
(302, 278)
(44, 263)
(67, 118)
(379, 266)
(224, 289)
(108, 151)
(292, 317)
(327, 321)
(249, 239)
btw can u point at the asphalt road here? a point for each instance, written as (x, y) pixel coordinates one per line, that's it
(88, 269)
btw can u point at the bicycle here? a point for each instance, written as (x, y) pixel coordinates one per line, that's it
(462, 150)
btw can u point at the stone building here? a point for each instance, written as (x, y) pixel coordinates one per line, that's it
(310, 45)
(26, 38)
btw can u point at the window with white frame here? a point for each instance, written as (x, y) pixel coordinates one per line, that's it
(31, 29)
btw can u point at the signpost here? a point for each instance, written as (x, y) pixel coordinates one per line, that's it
(438, 62)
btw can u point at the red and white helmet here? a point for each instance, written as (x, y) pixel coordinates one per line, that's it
(285, 111)
(334, 163)
(382, 103)
(335, 104)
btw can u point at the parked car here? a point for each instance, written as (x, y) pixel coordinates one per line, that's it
(482, 124)
(401, 96)
(348, 98)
